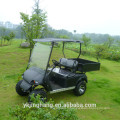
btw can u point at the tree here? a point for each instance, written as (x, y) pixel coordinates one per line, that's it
(2, 34)
(118, 42)
(11, 36)
(74, 31)
(86, 40)
(8, 37)
(63, 37)
(33, 25)
(109, 42)
(99, 51)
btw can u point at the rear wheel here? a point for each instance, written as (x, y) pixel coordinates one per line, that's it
(19, 89)
(80, 88)
(41, 92)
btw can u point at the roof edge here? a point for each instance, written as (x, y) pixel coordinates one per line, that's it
(56, 40)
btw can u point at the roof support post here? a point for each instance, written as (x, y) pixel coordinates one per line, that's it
(63, 49)
(80, 51)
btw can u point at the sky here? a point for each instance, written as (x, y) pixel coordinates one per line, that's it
(84, 16)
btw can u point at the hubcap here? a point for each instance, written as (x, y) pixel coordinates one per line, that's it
(81, 89)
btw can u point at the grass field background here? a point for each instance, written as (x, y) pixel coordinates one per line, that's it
(103, 87)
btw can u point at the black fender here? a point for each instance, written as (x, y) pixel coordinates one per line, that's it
(82, 78)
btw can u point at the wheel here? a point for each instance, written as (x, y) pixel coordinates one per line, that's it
(19, 90)
(41, 92)
(80, 88)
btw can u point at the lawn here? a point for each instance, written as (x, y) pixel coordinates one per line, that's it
(103, 87)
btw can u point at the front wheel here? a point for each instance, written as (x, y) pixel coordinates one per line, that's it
(80, 88)
(19, 89)
(41, 92)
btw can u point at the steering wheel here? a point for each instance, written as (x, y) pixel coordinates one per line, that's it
(55, 62)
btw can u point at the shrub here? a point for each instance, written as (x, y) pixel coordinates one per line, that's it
(115, 57)
(99, 51)
(42, 113)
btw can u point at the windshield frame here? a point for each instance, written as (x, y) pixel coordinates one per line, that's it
(52, 45)
(47, 61)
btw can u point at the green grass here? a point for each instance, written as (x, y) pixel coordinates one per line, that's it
(103, 87)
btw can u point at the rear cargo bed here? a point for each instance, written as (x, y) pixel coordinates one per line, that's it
(87, 65)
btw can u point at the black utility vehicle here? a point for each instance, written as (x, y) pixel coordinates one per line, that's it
(65, 74)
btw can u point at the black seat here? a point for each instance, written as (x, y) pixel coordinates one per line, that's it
(68, 63)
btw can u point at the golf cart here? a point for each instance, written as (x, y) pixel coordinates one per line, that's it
(64, 74)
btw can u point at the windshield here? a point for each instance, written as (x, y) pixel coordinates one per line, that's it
(40, 56)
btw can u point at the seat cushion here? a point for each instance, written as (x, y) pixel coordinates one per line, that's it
(68, 63)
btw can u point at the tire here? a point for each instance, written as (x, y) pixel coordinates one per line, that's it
(41, 92)
(19, 90)
(80, 88)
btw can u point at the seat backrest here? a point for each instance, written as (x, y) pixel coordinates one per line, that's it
(68, 63)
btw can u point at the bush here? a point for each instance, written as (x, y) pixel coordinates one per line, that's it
(115, 57)
(99, 51)
(42, 113)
